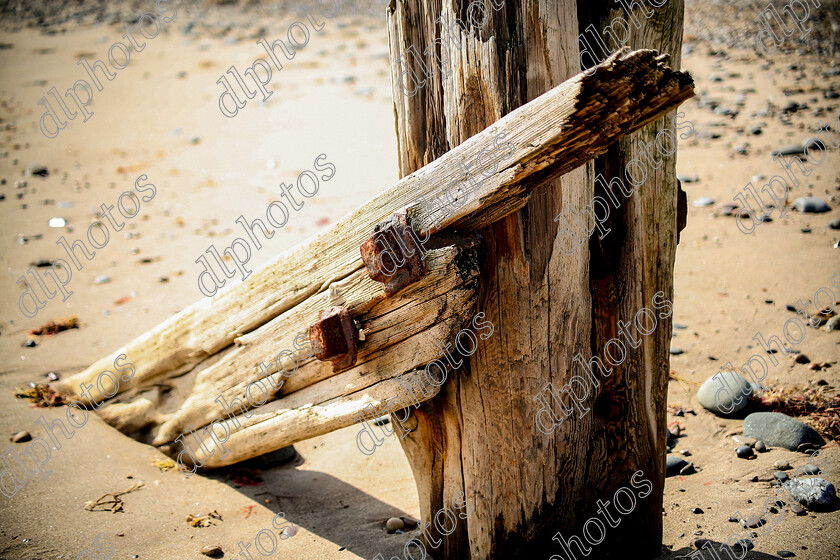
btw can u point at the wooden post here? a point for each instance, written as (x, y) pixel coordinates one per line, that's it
(478, 435)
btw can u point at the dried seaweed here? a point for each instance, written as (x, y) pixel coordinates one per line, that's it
(204, 520)
(40, 396)
(53, 327)
(807, 405)
(115, 504)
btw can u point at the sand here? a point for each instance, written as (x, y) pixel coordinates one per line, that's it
(160, 117)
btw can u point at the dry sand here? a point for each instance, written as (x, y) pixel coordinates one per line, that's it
(160, 117)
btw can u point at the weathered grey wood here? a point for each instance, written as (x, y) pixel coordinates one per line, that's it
(478, 434)
(400, 335)
(552, 135)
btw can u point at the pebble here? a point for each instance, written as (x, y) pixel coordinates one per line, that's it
(760, 446)
(688, 469)
(703, 201)
(52, 376)
(780, 430)
(754, 522)
(102, 279)
(57, 222)
(21, 437)
(782, 465)
(835, 224)
(410, 523)
(36, 168)
(801, 359)
(797, 509)
(744, 440)
(810, 205)
(813, 493)
(708, 390)
(833, 324)
(780, 476)
(212, 550)
(744, 452)
(29, 343)
(794, 150)
(811, 469)
(785, 554)
(674, 465)
(677, 351)
(697, 510)
(394, 523)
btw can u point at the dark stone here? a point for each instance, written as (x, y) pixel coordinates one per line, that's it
(780, 476)
(21, 437)
(785, 554)
(674, 464)
(744, 452)
(697, 510)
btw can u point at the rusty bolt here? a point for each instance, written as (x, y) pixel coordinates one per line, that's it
(394, 254)
(334, 338)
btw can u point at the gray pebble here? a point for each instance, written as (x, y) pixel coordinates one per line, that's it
(754, 522)
(785, 554)
(813, 493)
(810, 205)
(811, 469)
(797, 509)
(677, 351)
(730, 402)
(782, 465)
(780, 476)
(760, 446)
(780, 430)
(832, 324)
(674, 464)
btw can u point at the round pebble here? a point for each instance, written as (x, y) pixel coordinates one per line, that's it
(754, 522)
(801, 359)
(797, 509)
(21, 437)
(782, 465)
(760, 446)
(780, 476)
(785, 554)
(697, 510)
(811, 469)
(394, 523)
(744, 451)
(212, 550)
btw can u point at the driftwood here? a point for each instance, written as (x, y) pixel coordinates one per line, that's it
(218, 343)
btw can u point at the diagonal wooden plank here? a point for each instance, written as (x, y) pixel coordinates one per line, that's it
(548, 137)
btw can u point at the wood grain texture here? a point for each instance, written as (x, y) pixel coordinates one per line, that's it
(552, 135)
(478, 435)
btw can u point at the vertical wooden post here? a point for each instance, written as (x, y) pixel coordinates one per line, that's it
(478, 436)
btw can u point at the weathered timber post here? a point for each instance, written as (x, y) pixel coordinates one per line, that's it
(478, 435)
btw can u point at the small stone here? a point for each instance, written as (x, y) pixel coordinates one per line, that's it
(810, 205)
(410, 523)
(835, 224)
(780, 430)
(754, 522)
(57, 222)
(797, 509)
(806, 447)
(744, 440)
(36, 168)
(29, 343)
(780, 476)
(785, 554)
(677, 351)
(688, 469)
(685, 452)
(833, 324)
(811, 469)
(805, 230)
(102, 279)
(697, 510)
(733, 519)
(212, 550)
(674, 464)
(754, 479)
(394, 523)
(782, 465)
(760, 446)
(381, 421)
(21, 437)
(744, 452)
(52, 376)
(813, 493)
(729, 402)
(703, 201)
(801, 359)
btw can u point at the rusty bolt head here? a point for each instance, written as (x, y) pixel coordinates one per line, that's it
(394, 254)
(334, 338)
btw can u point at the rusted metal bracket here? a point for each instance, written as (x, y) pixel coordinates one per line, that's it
(335, 337)
(398, 262)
